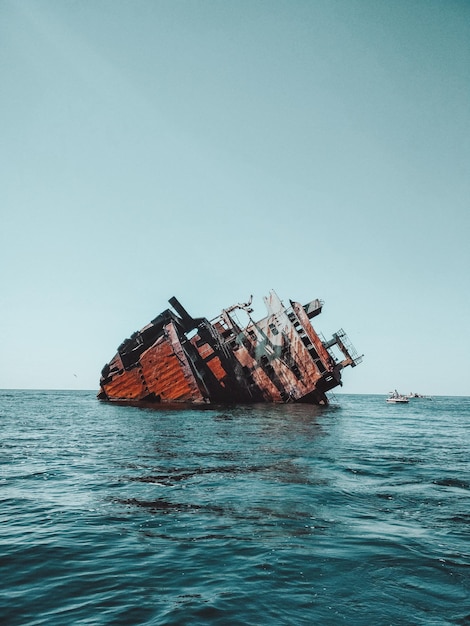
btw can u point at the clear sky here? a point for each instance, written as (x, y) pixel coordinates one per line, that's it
(212, 150)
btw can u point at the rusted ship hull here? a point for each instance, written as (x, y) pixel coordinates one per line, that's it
(178, 359)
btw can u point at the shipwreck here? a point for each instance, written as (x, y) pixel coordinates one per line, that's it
(178, 358)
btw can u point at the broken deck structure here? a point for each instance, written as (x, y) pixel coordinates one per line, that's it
(177, 358)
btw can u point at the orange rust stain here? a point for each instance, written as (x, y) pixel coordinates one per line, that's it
(166, 376)
(216, 368)
(262, 380)
(205, 350)
(312, 335)
(128, 385)
(268, 388)
(301, 355)
(291, 384)
(116, 363)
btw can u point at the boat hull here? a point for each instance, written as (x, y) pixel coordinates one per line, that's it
(180, 360)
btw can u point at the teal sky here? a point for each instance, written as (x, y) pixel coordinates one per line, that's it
(212, 150)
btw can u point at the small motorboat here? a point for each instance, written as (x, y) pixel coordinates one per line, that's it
(416, 395)
(397, 398)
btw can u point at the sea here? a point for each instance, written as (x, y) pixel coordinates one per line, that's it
(356, 513)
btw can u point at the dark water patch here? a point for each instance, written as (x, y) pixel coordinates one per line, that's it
(460, 518)
(178, 475)
(452, 482)
(285, 471)
(385, 496)
(161, 505)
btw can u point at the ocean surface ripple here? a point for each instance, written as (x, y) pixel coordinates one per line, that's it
(357, 513)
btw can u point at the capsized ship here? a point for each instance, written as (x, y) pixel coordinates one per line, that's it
(178, 358)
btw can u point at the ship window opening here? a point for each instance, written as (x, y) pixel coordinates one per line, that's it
(296, 372)
(335, 352)
(313, 352)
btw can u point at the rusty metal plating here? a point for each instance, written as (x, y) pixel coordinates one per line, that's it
(180, 359)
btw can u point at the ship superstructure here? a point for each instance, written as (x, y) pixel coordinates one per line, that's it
(177, 358)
